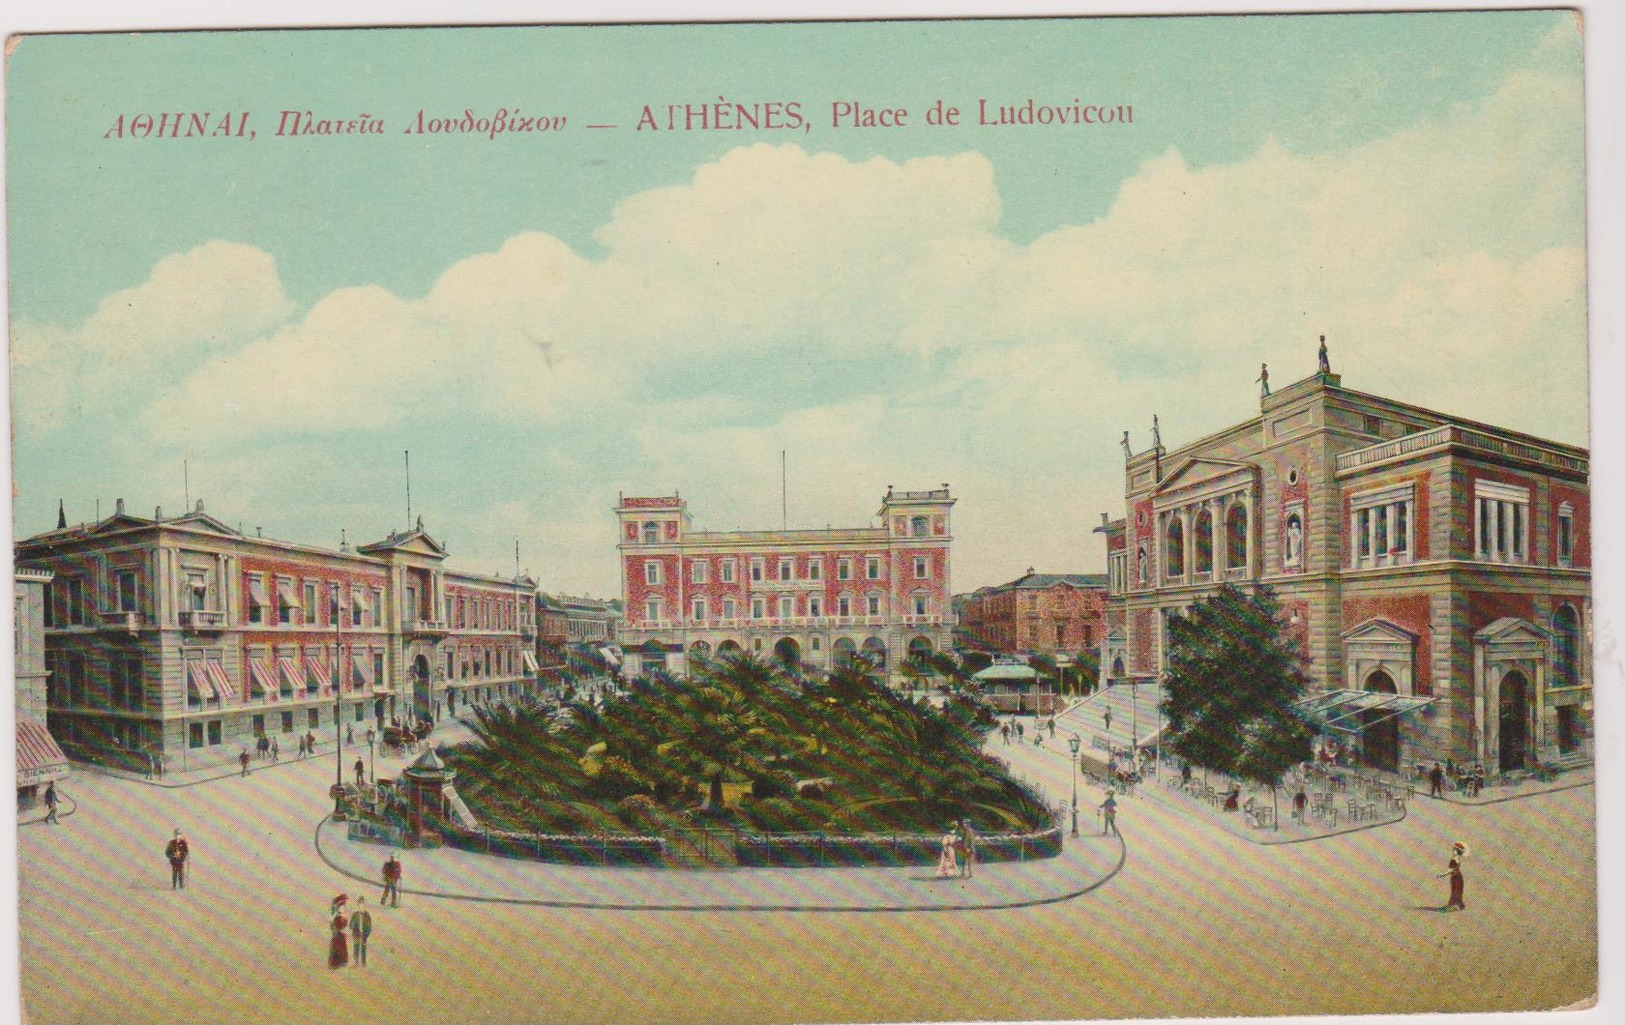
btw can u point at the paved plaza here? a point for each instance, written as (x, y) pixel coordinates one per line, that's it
(1197, 921)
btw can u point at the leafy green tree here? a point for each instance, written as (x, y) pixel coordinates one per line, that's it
(1233, 677)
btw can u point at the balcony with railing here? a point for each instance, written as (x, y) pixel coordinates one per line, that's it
(425, 627)
(203, 620)
(119, 619)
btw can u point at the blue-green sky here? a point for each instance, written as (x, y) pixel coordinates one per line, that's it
(547, 320)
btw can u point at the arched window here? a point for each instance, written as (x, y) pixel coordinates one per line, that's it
(919, 526)
(1566, 647)
(651, 533)
(1235, 535)
(1176, 547)
(1204, 542)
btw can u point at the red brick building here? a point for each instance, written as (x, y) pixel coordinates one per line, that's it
(806, 597)
(182, 637)
(1038, 613)
(1435, 569)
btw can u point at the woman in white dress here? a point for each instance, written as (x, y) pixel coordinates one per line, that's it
(948, 864)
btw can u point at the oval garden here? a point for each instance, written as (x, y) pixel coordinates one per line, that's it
(741, 763)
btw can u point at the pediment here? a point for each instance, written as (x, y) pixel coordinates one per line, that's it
(1379, 631)
(412, 542)
(1511, 630)
(1199, 471)
(203, 522)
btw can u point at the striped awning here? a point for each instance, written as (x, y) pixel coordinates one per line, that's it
(292, 678)
(39, 759)
(207, 679)
(259, 674)
(318, 669)
(529, 660)
(360, 670)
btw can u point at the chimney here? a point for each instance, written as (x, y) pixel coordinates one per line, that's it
(1105, 518)
(158, 512)
(118, 507)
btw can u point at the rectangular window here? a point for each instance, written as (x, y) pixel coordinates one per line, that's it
(76, 601)
(214, 733)
(1503, 521)
(652, 610)
(815, 569)
(727, 571)
(256, 598)
(786, 569)
(843, 606)
(287, 722)
(1565, 535)
(1380, 530)
(1373, 425)
(728, 607)
(758, 608)
(197, 586)
(756, 570)
(1517, 532)
(377, 608)
(1401, 526)
(843, 569)
(357, 605)
(699, 610)
(787, 607)
(700, 573)
(871, 568)
(310, 602)
(874, 604)
(126, 590)
(313, 717)
(358, 713)
(1362, 530)
(259, 725)
(922, 606)
(194, 735)
(922, 567)
(815, 606)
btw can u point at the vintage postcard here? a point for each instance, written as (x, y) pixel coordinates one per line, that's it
(1060, 518)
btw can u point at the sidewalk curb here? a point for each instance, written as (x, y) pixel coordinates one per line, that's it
(1513, 797)
(61, 813)
(1122, 859)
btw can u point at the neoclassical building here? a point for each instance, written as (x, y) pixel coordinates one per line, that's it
(183, 637)
(806, 597)
(1036, 613)
(1436, 570)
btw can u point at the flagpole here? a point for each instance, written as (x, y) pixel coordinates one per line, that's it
(338, 713)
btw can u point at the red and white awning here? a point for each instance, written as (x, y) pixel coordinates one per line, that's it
(318, 669)
(39, 759)
(259, 675)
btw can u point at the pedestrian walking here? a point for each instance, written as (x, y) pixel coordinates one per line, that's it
(392, 882)
(947, 865)
(360, 931)
(1021, 731)
(177, 851)
(372, 735)
(1300, 804)
(1106, 717)
(360, 772)
(967, 849)
(338, 945)
(1108, 810)
(243, 759)
(1458, 884)
(262, 746)
(1051, 725)
(301, 747)
(51, 801)
(349, 733)
(1004, 731)
(310, 742)
(1436, 781)
(276, 750)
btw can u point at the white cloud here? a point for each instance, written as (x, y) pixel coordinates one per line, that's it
(893, 335)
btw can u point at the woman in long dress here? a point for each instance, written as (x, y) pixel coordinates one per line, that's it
(947, 863)
(338, 948)
(1458, 884)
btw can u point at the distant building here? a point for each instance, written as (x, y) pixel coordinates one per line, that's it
(584, 631)
(183, 637)
(812, 598)
(1437, 571)
(1036, 613)
(39, 758)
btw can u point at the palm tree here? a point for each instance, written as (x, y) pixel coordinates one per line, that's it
(717, 730)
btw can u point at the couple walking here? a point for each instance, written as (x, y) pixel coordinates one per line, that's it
(359, 925)
(958, 856)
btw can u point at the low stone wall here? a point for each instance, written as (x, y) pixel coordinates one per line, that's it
(821, 850)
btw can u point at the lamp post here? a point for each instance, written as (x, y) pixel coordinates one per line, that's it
(1074, 742)
(338, 714)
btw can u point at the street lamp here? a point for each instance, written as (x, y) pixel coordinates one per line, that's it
(1074, 742)
(339, 813)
